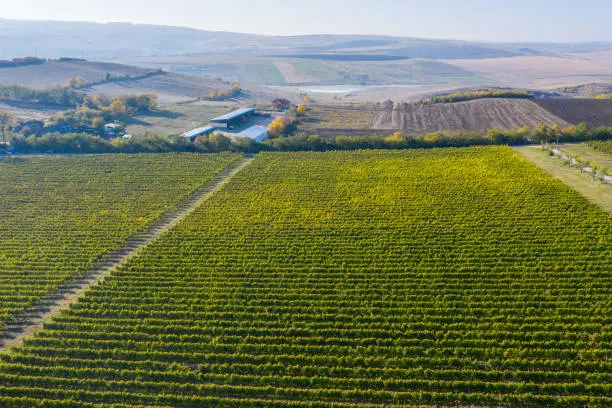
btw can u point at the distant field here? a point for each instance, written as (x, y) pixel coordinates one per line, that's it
(338, 118)
(29, 111)
(175, 119)
(285, 71)
(593, 112)
(536, 71)
(479, 116)
(56, 73)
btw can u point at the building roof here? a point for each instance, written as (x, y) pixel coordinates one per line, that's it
(199, 131)
(254, 132)
(233, 115)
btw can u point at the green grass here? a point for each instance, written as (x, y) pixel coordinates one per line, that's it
(589, 154)
(325, 73)
(175, 119)
(442, 277)
(260, 73)
(595, 191)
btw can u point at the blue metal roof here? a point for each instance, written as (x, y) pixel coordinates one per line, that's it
(233, 115)
(257, 133)
(199, 131)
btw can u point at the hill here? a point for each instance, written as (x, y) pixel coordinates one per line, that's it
(313, 59)
(478, 115)
(593, 112)
(113, 79)
(54, 72)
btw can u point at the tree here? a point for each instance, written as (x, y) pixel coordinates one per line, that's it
(395, 137)
(6, 119)
(98, 123)
(118, 108)
(214, 94)
(281, 104)
(307, 99)
(277, 127)
(301, 109)
(76, 82)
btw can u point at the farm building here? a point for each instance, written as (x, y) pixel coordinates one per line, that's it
(256, 133)
(232, 119)
(201, 131)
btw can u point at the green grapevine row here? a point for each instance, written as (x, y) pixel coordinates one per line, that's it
(452, 277)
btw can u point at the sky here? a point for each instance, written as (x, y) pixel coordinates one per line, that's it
(475, 20)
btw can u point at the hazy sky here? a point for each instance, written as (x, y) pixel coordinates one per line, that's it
(485, 20)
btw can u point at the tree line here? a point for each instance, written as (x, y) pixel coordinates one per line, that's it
(85, 143)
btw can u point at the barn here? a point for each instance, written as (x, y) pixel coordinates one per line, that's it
(201, 131)
(232, 119)
(256, 133)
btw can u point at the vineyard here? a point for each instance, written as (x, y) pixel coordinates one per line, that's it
(444, 277)
(602, 146)
(59, 215)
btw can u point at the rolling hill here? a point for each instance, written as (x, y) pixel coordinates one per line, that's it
(312, 59)
(125, 79)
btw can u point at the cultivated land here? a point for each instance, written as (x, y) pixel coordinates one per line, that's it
(376, 278)
(588, 153)
(53, 73)
(30, 111)
(479, 115)
(593, 112)
(175, 119)
(58, 216)
(594, 190)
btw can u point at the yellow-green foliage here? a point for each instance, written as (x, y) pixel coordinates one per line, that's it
(468, 96)
(603, 96)
(58, 215)
(604, 146)
(456, 277)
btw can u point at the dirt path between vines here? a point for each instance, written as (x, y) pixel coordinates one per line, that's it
(32, 320)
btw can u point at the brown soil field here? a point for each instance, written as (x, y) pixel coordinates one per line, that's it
(478, 116)
(337, 117)
(539, 71)
(169, 88)
(593, 112)
(56, 73)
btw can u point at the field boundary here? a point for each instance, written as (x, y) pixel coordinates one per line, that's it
(33, 319)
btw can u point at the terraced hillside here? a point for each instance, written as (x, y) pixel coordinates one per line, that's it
(457, 277)
(478, 115)
(59, 215)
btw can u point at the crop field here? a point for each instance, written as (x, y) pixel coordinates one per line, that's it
(59, 215)
(451, 277)
(174, 119)
(336, 117)
(479, 116)
(593, 112)
(604, 147)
